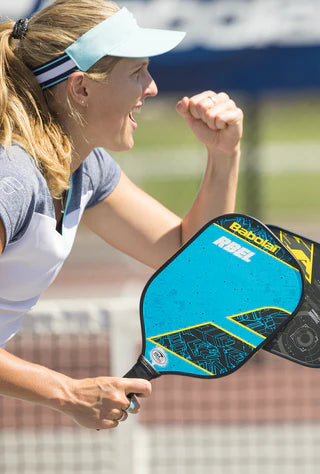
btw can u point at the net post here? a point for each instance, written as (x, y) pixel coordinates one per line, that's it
(124, 334)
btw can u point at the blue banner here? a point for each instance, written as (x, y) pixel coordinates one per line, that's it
(251, 46)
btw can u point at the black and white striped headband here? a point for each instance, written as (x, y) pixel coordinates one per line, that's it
(55, 71)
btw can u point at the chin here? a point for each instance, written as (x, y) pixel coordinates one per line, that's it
(122, 146)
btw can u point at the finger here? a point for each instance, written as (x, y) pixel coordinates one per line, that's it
(214, 100)
(221, 96)
(123, 416)
(182, 107)
(222, 106)
(114, 415)
(112, 405)
(199, 106)
(220, 119)
(140, 387)
(231, 117)
(196, 107)
(211, 106)
(107, 424)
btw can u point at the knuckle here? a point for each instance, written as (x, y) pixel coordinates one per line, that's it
(223, 96)
(117, 382)
(210, 115)
(239, 112)
(231, 103)
(117, 399)
(198, 106)
(193, 102)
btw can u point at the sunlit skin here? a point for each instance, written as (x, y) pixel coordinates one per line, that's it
(109, 117)
(106, 107)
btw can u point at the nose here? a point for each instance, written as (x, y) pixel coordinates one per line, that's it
(151, 89)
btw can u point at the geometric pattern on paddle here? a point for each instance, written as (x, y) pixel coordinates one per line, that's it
(262, 321)
(216, 352)
(206, 347)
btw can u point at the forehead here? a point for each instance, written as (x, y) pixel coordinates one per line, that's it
(132, 63)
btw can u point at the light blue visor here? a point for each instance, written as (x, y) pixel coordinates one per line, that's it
(118, 36)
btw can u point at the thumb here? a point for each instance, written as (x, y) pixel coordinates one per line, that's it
(182, 107)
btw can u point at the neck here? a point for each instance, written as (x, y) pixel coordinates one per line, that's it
(81, 148)
(79, 154)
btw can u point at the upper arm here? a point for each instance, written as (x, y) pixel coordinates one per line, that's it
(2, 237)
(135, 223)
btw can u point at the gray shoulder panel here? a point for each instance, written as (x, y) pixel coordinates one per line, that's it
(21, 184)
(103, 175)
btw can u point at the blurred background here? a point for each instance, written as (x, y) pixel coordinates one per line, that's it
(265, 55)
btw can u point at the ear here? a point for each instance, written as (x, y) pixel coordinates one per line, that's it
(77, 88)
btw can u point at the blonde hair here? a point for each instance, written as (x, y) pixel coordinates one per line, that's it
(25, 115)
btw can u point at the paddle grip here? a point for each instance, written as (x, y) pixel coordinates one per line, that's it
(141, 370)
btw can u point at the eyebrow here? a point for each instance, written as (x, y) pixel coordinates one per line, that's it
(142, 62)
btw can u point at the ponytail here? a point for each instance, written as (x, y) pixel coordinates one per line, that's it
(26, 120)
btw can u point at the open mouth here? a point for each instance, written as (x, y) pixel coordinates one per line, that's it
(136, 110)
(132, 118)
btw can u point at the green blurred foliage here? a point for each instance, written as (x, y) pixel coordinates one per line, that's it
(287, 119)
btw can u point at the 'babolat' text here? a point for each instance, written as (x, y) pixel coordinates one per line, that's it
(236, 249)
(248, 234)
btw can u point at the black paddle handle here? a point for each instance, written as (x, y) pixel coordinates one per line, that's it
(141, 370)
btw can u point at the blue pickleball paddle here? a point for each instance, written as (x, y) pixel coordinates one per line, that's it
(217, 301)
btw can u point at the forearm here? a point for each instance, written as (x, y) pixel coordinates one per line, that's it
(96, 403)
(32, 382)
(141, 227)
(217, 194)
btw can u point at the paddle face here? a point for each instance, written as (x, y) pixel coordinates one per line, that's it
(299, 340)
(219, 299)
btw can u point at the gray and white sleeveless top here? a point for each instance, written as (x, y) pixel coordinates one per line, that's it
(34, 251)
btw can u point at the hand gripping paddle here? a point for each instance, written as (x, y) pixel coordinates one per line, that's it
(217, 301)
(299, 340)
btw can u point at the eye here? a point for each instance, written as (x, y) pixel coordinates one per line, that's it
(137, 71)
(140, 69)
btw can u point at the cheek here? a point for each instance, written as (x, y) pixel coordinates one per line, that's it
(116, 110)
(110, 116)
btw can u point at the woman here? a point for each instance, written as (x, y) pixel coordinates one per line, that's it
(71, 79)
